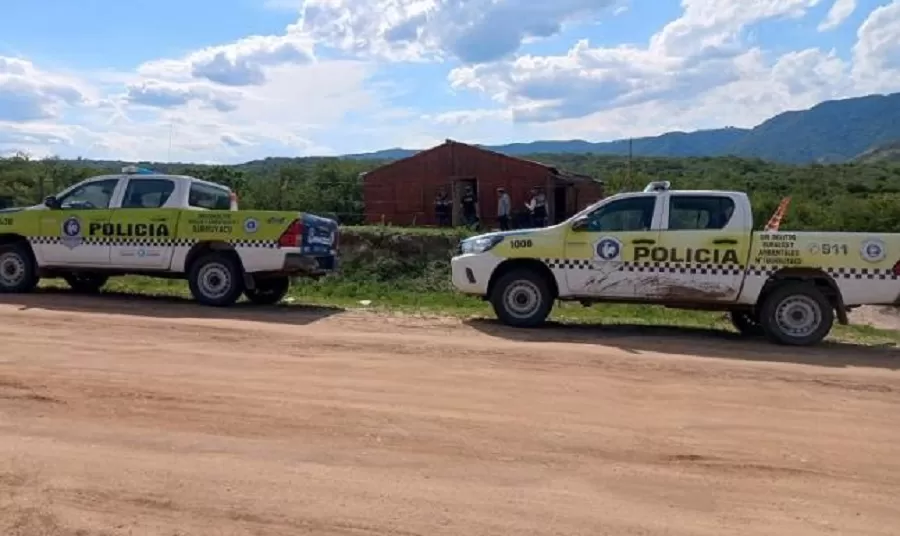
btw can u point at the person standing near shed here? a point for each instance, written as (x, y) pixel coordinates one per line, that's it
(470, 207)
(504, 205)
(442, 208)
(538, 208)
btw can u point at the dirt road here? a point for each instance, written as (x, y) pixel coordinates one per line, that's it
(152, 417)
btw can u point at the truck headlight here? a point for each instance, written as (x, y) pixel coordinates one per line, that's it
(479, 244)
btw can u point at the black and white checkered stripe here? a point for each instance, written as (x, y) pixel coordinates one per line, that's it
(836, 273)
(713, 269)
(149, 242)
(647, 267)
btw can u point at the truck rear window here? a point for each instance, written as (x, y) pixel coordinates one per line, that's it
(209, 197)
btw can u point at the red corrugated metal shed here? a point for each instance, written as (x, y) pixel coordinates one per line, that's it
(402, 192)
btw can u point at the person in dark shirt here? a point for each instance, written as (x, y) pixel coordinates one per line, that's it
(470, 207)
(442, 208)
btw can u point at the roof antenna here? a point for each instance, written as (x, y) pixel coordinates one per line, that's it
(171, 129)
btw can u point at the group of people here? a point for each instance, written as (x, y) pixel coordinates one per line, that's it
(537, 208)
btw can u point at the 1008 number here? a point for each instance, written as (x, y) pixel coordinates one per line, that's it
(518, 244)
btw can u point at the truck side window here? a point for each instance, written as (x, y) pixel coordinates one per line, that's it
(209, 197)
(147, 193)
(632, 214)
(90, 196)
(699, 212)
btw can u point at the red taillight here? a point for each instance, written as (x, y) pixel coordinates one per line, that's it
(293, 236)
(896, 269)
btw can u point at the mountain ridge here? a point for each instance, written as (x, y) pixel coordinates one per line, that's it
(832, 131)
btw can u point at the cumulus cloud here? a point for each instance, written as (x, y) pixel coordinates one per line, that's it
(242, 63)
(474, 31)
(29, 94)
(700, 51)
(876, 54)
(840, 10)
(158, 94)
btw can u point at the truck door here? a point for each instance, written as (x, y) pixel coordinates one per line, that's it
(600, 252)
(141, 230)
(703, 248)
(69, 234)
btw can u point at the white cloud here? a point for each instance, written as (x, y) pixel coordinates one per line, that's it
(285, 95)
(840, 10)
(474, 31)
(28, 94)
(876, 54)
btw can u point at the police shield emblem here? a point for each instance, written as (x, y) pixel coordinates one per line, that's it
(71, 233)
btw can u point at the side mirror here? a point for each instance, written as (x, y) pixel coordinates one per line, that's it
(581, 224)
(51, 202)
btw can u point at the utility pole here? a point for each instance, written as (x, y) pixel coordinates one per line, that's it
(630, 156)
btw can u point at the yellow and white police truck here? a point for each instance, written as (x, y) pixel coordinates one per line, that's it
(683, 249)
(173, 226)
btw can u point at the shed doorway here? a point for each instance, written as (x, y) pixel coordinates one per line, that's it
(459, 190)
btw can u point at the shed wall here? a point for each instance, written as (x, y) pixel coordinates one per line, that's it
(402, 192)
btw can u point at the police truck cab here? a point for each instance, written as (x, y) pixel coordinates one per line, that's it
(173, 226)
(690, 249)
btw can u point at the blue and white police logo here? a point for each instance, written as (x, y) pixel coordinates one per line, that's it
(251, 225)
(608, 249)
(71, 230)
(872, 250)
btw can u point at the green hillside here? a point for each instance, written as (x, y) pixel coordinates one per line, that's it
(887, 152)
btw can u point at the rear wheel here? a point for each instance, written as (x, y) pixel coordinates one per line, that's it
(18, 270)
(522, 298)
(747, 323)
(86, 283)
(268, 291)
(216, 279)
(796, 314)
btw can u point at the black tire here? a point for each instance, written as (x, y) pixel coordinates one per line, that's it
(269, 291)
(86, 283)
(514, 287)
(18, 269)
(747, 323)
(801, 304)
(216, 279)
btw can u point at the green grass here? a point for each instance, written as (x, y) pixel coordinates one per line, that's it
(420, 297)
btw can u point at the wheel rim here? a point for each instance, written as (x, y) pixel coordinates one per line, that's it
(12, 269)
(798, 316)
(522, 299)
(214, 280)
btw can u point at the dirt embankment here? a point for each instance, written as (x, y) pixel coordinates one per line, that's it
(150, 417)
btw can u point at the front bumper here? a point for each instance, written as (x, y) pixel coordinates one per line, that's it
(471, 273)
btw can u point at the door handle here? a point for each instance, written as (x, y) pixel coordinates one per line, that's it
(720, 241)
(646, 241)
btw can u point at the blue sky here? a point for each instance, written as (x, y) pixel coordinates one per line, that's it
(235, 80)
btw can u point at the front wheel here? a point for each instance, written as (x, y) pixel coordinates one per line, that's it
(269, 291)
(796, 314)
(86, 283)
(522, 298)
(216, 279)
(18, 271)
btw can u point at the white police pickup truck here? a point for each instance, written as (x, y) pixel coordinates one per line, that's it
(683, 249)
(146, 223)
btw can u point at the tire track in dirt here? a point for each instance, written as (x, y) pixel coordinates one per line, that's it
(154, 417)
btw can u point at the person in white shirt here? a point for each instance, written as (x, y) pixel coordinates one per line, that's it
(504, 205)
(538, 207)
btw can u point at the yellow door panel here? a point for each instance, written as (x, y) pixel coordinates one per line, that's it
(141, 237)
(698, 265)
